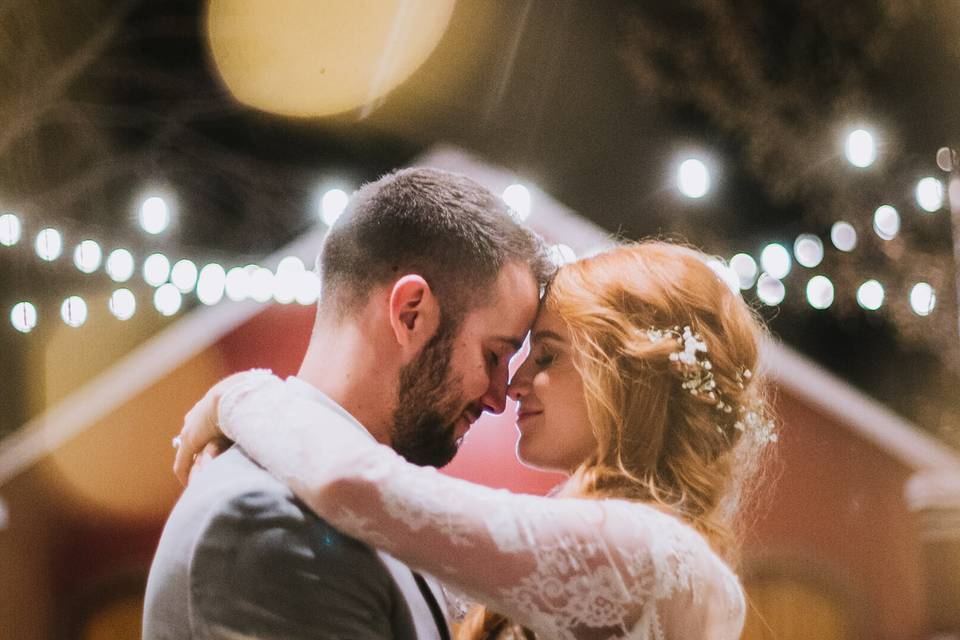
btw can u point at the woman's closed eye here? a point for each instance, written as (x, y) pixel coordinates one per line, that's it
(545, 359)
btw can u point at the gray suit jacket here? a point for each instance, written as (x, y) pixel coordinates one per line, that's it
(241, 557)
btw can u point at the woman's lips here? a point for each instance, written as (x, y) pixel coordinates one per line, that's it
(526, 415)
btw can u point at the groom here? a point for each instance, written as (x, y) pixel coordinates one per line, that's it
(429, 287)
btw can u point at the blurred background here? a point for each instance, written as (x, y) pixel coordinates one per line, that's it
(168, 170)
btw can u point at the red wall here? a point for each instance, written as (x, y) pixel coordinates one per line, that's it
(838, 507)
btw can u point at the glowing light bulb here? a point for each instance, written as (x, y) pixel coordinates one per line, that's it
(156, 269)
(167, 299)
(518, 198)
(122, 304)
(332, 205)
(770, 290)
(775, 260)
(746, 269)
(49, 244)
(23, 317)
(820, 292)
(860, 148)
(808, 250)
(74, 311)
(843, 236)
(154, 215)
(693, 178)
(10, 229)
(870, 295)
(886, 222)
(923, 299)
(120, 265)
(87, 256)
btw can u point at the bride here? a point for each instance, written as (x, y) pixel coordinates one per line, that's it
(639, 385)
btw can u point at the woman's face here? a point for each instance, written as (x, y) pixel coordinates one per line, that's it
(552, 413)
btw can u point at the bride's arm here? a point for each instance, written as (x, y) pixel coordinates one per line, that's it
(554, 565)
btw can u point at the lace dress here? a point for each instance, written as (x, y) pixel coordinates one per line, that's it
(567, 568)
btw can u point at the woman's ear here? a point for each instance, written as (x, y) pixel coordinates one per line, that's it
(414, 312)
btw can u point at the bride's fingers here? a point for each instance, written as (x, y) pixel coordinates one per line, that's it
(194, 435)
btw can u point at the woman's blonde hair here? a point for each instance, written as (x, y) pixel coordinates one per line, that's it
(656, 441)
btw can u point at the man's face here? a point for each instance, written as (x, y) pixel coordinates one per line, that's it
(463, 371)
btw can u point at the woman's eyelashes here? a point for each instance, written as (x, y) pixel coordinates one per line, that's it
(545, 359)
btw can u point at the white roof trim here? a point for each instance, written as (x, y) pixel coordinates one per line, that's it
(204, 326)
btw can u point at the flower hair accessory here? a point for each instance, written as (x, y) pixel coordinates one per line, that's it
(699, 381)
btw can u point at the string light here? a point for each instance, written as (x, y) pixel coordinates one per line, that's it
(120, 265)
(843, 236)
(237, 284)
(184, 275)
(308, 288)
(23, 317)
(518, 198)
(154, 215)
(49, 244)
(167, 299)
(929, 194)
(74, 311)
(693, 178)
(87, 256)
(211, 283)
(122, 304)
(10, 229)
(775, 260)
(808, 250)
(332, 205)
(886, 222)
(922, 299)
(870, 295)
(820, 292)
(860, 148)
(746, 269)
(770, 290)
(261, 284)
(156, 269)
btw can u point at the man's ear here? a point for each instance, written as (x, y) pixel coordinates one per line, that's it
(414, 311)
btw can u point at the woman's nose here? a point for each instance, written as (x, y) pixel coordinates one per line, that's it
(520, 383)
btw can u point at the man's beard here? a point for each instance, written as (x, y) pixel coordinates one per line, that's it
(429, 404)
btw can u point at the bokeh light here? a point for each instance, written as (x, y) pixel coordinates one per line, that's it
(332, 205)
(87, 256)
(211, 283)
(746, 269)
(49, 244)
(74, 311)
(808, 250)
(120, 265)
(10, 229)
(860, 148)
(770, 290)
(870, 295)
(923, 299)
(775, 260)
(929, 194)
(843, 236)
(820, 292)
(154, 215)
(167, 299)
(122, 304)
(237, 284)
(693, 178)
(519, 199)
(156, 269)
(886, 222)
(23, 317)
(184, 275)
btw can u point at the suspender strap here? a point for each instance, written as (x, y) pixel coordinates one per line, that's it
(434, 606)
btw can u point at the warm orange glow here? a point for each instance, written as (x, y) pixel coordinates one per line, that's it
(321, 57)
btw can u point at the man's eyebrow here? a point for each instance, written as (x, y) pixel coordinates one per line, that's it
(516, 343)
(549, 335)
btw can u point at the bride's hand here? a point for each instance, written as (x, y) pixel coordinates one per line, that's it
(201, 438)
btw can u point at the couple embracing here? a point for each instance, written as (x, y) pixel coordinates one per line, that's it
(327, 519)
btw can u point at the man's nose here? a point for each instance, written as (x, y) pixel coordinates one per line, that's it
(495, 400)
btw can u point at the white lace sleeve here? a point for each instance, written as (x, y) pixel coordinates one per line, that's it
(566, 568)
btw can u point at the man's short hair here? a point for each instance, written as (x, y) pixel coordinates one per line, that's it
(440, 225)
